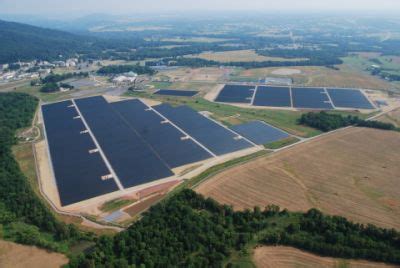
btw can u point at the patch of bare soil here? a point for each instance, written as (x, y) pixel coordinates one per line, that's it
(287, 257)
(19, 256)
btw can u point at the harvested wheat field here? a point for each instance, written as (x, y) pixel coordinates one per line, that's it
(19, 256)
(392, 117)
(287, 257)
(354, 173)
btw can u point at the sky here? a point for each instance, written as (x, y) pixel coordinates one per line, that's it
(151, 6)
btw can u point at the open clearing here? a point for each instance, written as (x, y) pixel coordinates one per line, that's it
(19, 256)
(238, 56)
(188, 75)
(392, 117)
(349, 173)
(287, 257)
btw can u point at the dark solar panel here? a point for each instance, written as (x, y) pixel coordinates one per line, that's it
(175, 92)
(349, 98)
(236, 94)
(260, 132)
(272, 96)
(77, 172)
(130, 156)
(216, 138)
(313, 98)
(164, 138)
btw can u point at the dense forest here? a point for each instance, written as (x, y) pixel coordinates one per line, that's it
(188, 230)
(24, 218)
(24, 42)
(326, 121)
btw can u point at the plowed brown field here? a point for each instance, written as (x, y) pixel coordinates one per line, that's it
(354, 173)
(287, 257)
(19, 256)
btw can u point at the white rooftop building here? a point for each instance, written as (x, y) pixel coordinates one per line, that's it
(127, 78)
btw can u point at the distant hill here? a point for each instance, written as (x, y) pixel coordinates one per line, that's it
(25, 42)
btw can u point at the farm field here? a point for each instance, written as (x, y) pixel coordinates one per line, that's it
(19, 256)
(287, 257)
(349, 173)
(238, 56)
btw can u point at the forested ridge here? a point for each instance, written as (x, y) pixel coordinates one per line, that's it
(189, 230)
(24, 218)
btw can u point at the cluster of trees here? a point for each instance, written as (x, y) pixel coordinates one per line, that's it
(385, 74)
(119, 69)
(327, 121)
(24, 218)
(54, 78)
(51, 82)
(188, 230)
(338, 237)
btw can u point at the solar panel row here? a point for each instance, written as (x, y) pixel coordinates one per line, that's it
(78, 172)
(272, 96)
(310, 98)
(132, 159)
(298, 97)
(236, 94)
(216, 138)
(170, 144)
(259, 132)
(175, 92)
(349, 98)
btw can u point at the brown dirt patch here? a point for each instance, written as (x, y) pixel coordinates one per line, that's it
(143, 205)
(287, 257)
(350, 173)
(19, 256)
(391, 117)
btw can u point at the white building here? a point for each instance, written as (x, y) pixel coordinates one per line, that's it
(128, 78)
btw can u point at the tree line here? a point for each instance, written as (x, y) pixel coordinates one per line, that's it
(188, 230)
(24, 218)
(327, 121)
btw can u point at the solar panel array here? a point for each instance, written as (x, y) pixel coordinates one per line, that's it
(349, 98)
(272, 96)
(175, 92)
(311, 98)
(259, 132)
(215, 137)
(78, 172)
(236, 94)
(297, 97)
(98, 147)
(125, 149)
(173, 146)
